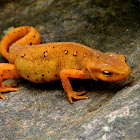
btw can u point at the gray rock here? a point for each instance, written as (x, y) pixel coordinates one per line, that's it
(42, 111)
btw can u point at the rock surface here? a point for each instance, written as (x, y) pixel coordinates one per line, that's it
(42, 111)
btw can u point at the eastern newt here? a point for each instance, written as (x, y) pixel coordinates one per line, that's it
(48, 62)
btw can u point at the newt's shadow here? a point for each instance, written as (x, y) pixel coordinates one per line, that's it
(97, 88)
(56, 85)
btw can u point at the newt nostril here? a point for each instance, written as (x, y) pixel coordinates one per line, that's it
(125, 59)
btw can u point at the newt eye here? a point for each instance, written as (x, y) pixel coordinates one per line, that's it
(106, 73)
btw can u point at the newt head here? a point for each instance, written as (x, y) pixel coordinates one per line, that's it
(109, 67)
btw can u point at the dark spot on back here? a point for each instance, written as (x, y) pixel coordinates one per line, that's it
(45, 53)
(75, 53)
(22, 56)
(85, 54)
(66, 52)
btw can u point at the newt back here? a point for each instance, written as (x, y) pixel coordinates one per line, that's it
(42, 63)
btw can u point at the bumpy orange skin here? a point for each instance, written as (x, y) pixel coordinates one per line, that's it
(56, 61)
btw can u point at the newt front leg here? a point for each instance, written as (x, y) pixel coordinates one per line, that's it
(7, 71)
(70, 73)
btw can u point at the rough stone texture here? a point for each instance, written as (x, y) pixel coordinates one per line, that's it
(42, 111)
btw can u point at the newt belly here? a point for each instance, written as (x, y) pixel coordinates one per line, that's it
(56, 61)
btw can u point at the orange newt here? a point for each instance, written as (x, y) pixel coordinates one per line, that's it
(48, 62)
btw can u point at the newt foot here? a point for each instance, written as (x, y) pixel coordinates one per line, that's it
(80, 93)
(75, 94)
(6, 88)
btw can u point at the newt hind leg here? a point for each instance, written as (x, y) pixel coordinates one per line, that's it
(7, 71)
